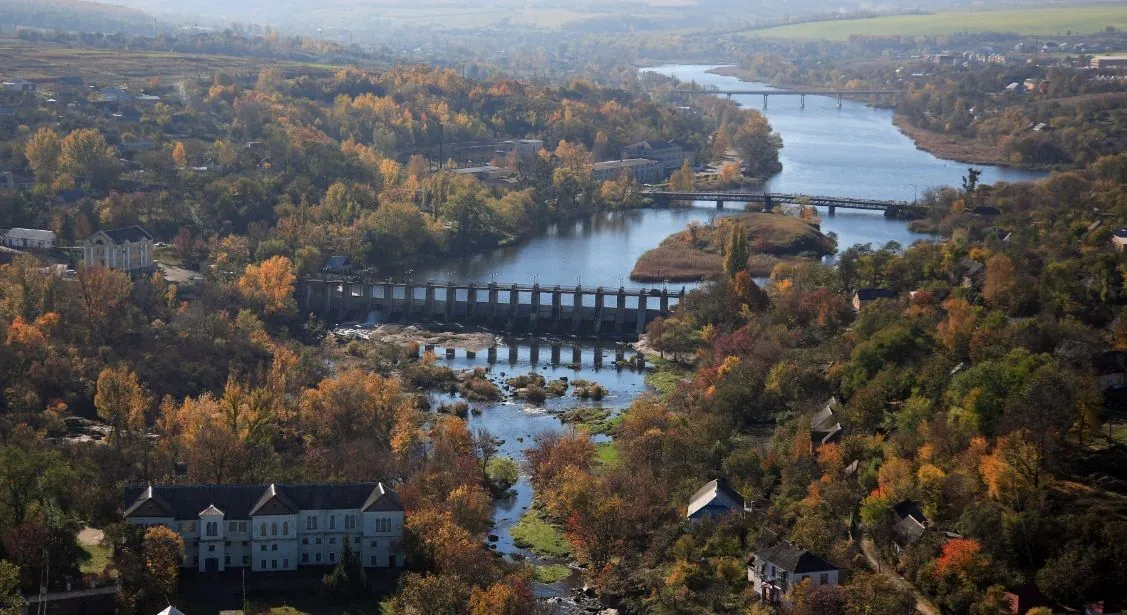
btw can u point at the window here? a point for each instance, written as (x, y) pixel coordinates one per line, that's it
(274, 547)
(332, 522)
(227, 560)
(824, 579)
(264, 564)
(262, 529)
(285, 528)
(285, 563)
(373, 560)
(242, 526)
(211, 548)
(332, 557)
(273, 563)
(356, 540)
(311, 523)
(333, 540)
(304, 557)
(317, 540)
(262, 548)
(232, 526)
(274, 528)
(375, 544)
(244, 543)
(304, 541)
(212, 528)
(318, 558)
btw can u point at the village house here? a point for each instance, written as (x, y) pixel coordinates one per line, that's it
(1119, 239)
(128, 249)
(669, 155)
(17, 86)
(1110, 369)
(773, 572)
(864, 296)
(909, 525)
(715, 499)
(274, 527)
(23, 238)
(824, 426)
(973, 272)
(338, 265)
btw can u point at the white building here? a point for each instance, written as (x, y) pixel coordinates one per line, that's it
(639, 169)
(129, 249)
(774, 571)
(29, 238)
(274, 527)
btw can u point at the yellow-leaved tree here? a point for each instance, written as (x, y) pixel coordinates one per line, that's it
(121, 400)
(270, 286)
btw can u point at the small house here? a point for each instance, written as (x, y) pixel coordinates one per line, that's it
(824, 426)
(1119, 239)
(972, 272)
(339, 265)
(1109, 368)
(37, 239)
(909, 525)
(17, 86)
(1025, 598)
(773, 572)
(715, 499)
(864, 296)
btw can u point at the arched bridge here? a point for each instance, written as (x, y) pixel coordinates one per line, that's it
(512, 307)
(770, 199)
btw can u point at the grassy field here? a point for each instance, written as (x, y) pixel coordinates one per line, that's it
(534, 533)
(1081, 19)
(99, 558)
(607, 453)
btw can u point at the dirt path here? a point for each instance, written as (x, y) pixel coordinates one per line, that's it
(90, 536)
(923, 605)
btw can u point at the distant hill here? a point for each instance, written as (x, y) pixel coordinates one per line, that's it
(75, 15)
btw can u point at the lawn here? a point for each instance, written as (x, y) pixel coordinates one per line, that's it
(607, 453)
(1081, 19)
(99, 558)
(532, 532)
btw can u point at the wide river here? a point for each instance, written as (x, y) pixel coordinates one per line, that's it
(851, 151)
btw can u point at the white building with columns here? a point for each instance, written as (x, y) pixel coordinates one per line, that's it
(128, 249)
(267, 528)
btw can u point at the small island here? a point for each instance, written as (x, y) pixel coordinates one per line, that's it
(696, 253)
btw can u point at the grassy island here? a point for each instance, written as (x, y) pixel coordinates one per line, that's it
(696, 253)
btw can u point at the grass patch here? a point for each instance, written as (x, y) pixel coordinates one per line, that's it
(695, 253)
(1084, 19)
(100, 556)
(666, 375)
(532, 532)
(607, 453)
(551, 573)
(592, 419)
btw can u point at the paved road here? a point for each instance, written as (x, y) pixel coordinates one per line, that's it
(923, 605)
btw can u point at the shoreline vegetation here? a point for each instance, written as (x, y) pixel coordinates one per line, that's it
(695, 253)
(949, 147)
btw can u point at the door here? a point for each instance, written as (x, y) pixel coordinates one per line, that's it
(211, 564)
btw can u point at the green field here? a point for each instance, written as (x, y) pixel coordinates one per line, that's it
(1081, 19)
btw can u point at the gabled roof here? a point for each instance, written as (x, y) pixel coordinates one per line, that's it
(793, 559)
(129, 233)
(273, 502)
(908, 508)
(211, 511)
(32, 233)
(1120, 233)
(171, 610)
(824, 418)
(706, 494)
(908, 530)
(382, 498)
(870, 294)
(148, 504)
(336, 262)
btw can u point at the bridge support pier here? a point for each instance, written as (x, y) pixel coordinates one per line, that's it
(514, 305)
(577, 309)
(535, 314)
(576, 355)
(408, 300)
(801, 101)
(642, 297)
(491, 355)
(620, 310)
(534, 354)
(451, 294)
(598, 356)
(492, 302)
(555, 354)
(764, 101)
(428, 302)
(839, 101)
(557, 297)
(471, 302)
(832, 210)
(719, 204)
(512, 354)
(598, 310)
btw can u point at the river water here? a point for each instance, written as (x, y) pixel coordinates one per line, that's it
(851, 151)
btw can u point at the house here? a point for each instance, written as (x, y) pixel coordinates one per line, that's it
(774, 571)
(824, 426)
(670, 155)
(864, 296)
(483, 172)
(1109, 368)
(715, 499)
(69, 84)
(909, 524)
(16, 182)
(642, 170)
(1024, 598)
(171, 610)
(114, 95)
(274, 527)
(30, 238)
(17, 86)
(128, 249)
(1108, 62)
(523, 148)
(1119, 239)
(338, 264)
(973, 272)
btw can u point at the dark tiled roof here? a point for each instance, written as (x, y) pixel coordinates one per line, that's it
(130, 233)
(793, 559)
(336, 262)
(908, 508)
(1120, 232)
(870, 294)
(239, 501)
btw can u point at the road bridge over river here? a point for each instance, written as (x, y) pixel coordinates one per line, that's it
(801, 94)
(573, 310)
(770, 199)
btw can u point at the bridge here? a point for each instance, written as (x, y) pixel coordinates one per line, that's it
(801, 94)
(513, 307)
(770, 199)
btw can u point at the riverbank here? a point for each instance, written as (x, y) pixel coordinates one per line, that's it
(695, 253)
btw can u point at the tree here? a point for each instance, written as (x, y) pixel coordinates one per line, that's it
(104, 293)
(502, 473)
(955, 332)
(180, 155)
(10, 599)
(122, 400)
(42, 152)
(875, 594)
(509, 596)
(430, 594)
(1000, 281)
(164, 550)
(270, 285)
(736, 250)
(85, 153)
(347, 580)
(682, 179)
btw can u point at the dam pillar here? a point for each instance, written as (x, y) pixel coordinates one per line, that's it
(450, 353)
(514, 306)
(619, 310)
(388, 298)
(598, 310)
(428, 302)
(619, 354)
(832, 211)
(408, 300)
(839, 101)
(306, 288)
(664, 303)
(577, 309)
(492, 302)
(557, 298)
(719, 204)
(642, 297)
(451, 295)
(328, 298)
(370, 295)
(555, 354)
(512, 354)
(534, 354)
(576, 355)
(598, 351)
(801, 101)
(471, 301)
(534, 314)
(345, 299)
(491, 355)
(470, 354)
(764, 101)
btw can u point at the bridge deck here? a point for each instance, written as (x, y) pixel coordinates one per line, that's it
(791, 92)
(751, 197)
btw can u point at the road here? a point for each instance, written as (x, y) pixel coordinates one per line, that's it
(923, 605)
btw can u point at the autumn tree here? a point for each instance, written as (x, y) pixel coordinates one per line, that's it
(872, 593)
(121, 400)
(682, 179)
(164, 550)
(1001, 280)
(270, 285)
(180, 155)
(104, 293)
(736, 251)
(85, 153)
(10, 599)
(42, 151)
(955, 332)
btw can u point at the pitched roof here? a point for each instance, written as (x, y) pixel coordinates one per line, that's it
(336, 262)
(908, 530)
(869, 294)
(824, 418)
(240, 501)
(129, 233)
(793, 559)
(31, 233)
(908, 508)
(1120, 233)
(653, 144)
(704, 496)
(155, 504)
(171, 610)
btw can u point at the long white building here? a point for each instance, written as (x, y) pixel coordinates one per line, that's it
(274, 527)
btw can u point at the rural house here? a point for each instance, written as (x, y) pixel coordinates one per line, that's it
(714, 500)
(670, 155)
(774, 571)
(864, 296)
(274, 527)
(128, 249)
(1119, 239)
(909, 524)
(37, 239)
(824, 426)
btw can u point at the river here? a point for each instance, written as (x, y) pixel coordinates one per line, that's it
(851, 151)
